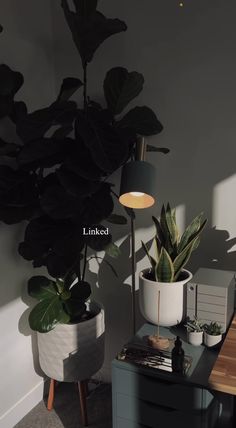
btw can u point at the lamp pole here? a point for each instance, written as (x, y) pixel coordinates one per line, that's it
(133, 270)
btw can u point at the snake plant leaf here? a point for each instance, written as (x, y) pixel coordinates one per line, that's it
(41, 287)
(150, 258)
(196, 233)
(171, 224)
(190, 230)
(47, 314)
(121, 87)
(159, 231)
(157, 247)
(164, 226)
(182, 259)
(164, 270)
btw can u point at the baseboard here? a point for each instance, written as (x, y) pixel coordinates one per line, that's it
(14, 415)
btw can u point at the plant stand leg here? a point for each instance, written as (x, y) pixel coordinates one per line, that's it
(86, 387)
(51, 394)
(83, 404)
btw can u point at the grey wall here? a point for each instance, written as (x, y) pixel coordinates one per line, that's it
(187, 56)
(26, 46)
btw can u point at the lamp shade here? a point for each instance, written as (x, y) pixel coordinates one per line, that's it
(138, 182)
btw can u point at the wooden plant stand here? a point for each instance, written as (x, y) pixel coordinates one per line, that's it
(83, 392)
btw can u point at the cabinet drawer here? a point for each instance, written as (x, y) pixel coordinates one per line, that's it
(150, 415)
(160, 392)
(215, 309)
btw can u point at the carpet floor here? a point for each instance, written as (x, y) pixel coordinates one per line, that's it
(66, 411)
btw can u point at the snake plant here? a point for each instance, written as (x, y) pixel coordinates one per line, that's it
(172, 251)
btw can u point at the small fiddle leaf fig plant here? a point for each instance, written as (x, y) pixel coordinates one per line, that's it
(213, 329)
(194, 325)
(61, 300)
(172, 251)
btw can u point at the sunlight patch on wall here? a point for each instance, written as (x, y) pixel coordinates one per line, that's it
(223, 206)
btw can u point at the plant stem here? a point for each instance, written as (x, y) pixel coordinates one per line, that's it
(85, 88)
(85, 261)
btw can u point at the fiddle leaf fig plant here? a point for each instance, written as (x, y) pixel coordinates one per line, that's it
(172, 251)
(57, 175)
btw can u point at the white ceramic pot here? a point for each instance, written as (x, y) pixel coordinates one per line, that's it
(172, 299)
(73, 352)
(195, 337)
(210, 340)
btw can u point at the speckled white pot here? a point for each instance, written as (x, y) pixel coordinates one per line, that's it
(210, 340)
(172, 308)
(73, 352)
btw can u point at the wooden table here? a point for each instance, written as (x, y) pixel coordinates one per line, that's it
(223, 374)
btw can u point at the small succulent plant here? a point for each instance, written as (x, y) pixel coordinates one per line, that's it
(214, 329)
(194, 325)
(172, 251)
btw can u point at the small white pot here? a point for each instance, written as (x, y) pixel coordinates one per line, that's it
(210, 340)
(172, 299)
(73, 352)
(195, 337)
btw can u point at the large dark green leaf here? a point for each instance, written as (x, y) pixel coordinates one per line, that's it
(89, 32)
(81, 290)
(75, 308)
(10, 81)
(81, 162)
(143, 120)
(164, 269)
(75, 185)
(33, 126)
(86, 7)
(54, 244)
(69, 86)
(18, 112)
(97, 207)
(8, 149)
(57, 203)
(47, 314)
(121, 87)
(44, 153)
(41, 287)
(18, 195)
(106, 146)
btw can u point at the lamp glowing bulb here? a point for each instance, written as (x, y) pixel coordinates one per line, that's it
(181, 4)
(137, 194)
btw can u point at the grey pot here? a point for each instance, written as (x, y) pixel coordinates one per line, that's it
(74, 352)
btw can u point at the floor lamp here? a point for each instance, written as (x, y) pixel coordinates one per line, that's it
(137, 190)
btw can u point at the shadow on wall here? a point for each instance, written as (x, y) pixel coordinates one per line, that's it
(24, 328)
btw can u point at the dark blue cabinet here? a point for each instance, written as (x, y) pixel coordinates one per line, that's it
(149, 398)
